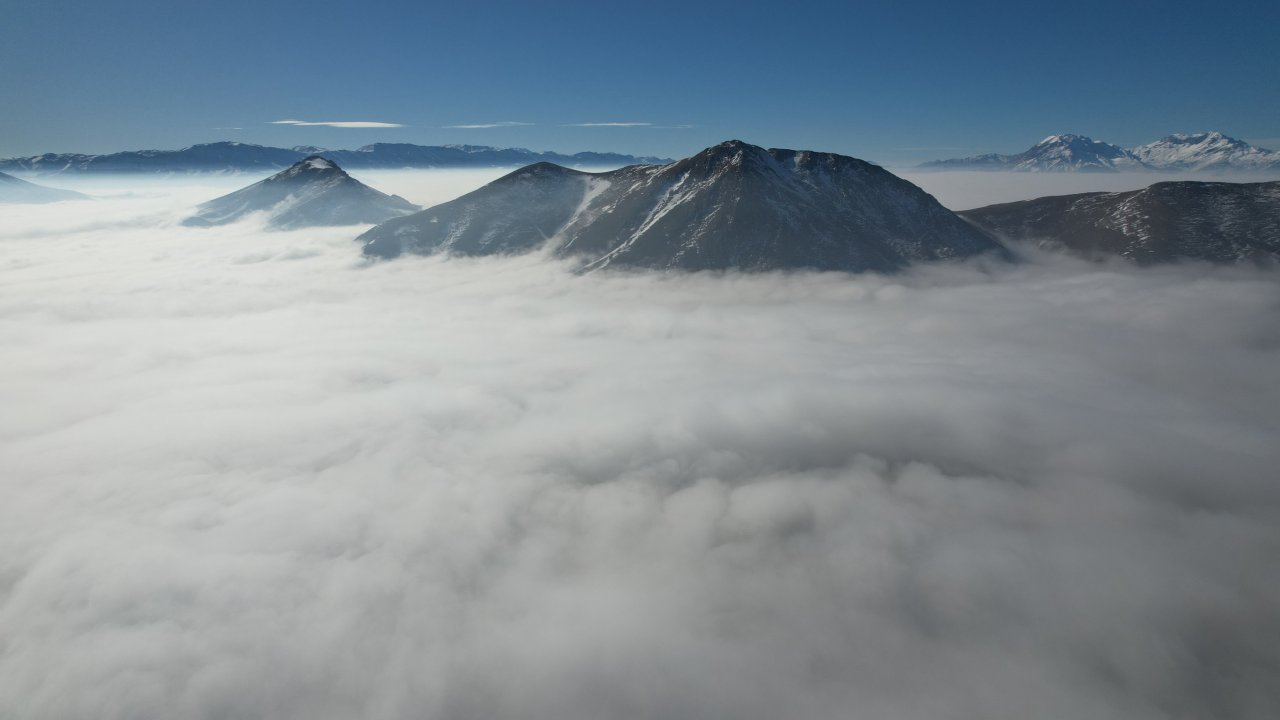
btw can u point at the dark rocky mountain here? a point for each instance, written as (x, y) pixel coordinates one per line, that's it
(15, 190)
(1219, 222)
(244, 157)
(730, 206)
(313, 192)
(1202, 152)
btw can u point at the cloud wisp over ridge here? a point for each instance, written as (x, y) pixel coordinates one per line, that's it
(1040, 490)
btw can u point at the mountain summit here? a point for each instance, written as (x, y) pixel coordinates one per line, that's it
(733, 205)
(1205, 151)
(1073, 153)
(313, 191)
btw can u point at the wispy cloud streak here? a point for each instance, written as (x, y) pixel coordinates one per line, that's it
(610, 124)
(338, 123)
(481, 126)
(648, 125)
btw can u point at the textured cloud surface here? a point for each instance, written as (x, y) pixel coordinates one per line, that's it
(246, 475)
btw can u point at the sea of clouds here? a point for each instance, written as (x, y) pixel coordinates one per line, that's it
(247, 474)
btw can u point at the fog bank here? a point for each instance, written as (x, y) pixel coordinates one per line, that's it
(247, 474)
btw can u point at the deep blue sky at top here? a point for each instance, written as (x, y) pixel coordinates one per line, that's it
(894, 82)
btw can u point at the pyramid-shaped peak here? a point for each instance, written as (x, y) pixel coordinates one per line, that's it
(318, 162)
(1066, 139)
(312, 166)
(733, 153)
(538, 170)
(313, 191)
(732, 147)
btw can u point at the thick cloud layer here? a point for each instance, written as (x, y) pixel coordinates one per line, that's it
(247, 475)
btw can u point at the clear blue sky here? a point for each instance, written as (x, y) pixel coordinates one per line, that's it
(893, 82)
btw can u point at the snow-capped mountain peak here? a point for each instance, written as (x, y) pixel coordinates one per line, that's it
(1205, 151)
(1072, 152)
(313, 191)
(315, 162)
(1065, 139)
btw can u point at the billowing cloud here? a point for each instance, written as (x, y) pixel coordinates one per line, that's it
(481, 126)
(338, 123)
(248, 474)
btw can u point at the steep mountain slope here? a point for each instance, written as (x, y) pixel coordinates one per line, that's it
(1219, 222)
(238, 157)
(730, 206)
(312, 192)
(1211, 151)
(15, 190)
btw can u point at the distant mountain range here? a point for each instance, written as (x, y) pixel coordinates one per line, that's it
(312, 192)
(1203, 152)
(15, 190)
(1218, 222)
(228, 157)
(733, 205)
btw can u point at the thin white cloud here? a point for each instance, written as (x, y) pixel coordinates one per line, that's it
(479, 126)
(610, 124)
(338, 123)
(648, 125)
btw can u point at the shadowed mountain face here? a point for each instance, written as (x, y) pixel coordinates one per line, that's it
(1219, 222)
(14, 190)
(238, 157)
(731, 206)
(313, 192)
